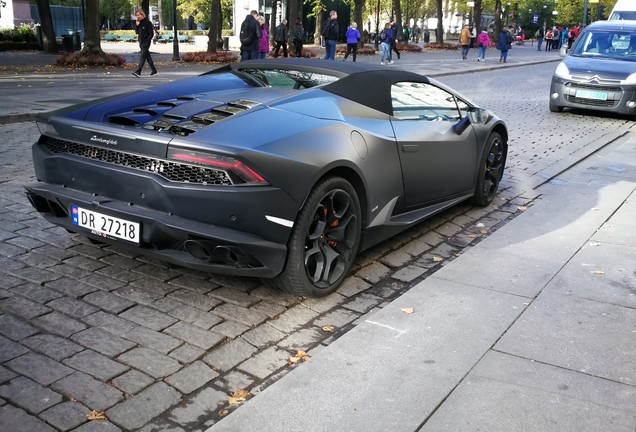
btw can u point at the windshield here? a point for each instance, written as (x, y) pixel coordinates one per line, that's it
(618, 44)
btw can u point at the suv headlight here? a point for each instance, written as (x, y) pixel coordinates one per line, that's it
(562, 71)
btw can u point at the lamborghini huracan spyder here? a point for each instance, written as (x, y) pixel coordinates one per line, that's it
(281, 169)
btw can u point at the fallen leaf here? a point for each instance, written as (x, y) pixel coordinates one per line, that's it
(483, 231)
(238, 396)
(223, 413)
(598, 272)
(328, 328)
(595, 209)
(522, 208)
(437, 259)
(94, 415)
(300, 356)
(408, 310)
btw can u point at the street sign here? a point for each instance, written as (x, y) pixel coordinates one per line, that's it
(535, 19)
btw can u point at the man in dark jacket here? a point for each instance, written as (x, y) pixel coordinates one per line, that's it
(330, 32)
(281, 38)
(250, 36)
(299, 37)
(145, 32)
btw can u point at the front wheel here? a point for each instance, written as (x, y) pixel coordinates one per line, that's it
(324, 241)
(491, 168)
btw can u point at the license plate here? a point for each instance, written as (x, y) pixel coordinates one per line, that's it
(591, 94)
(105, 225)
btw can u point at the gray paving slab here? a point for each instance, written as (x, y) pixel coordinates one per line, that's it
(576, 334)
(429, 351)
(505, 393)
(601, 272)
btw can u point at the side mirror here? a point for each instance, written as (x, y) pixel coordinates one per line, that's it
(461, 126)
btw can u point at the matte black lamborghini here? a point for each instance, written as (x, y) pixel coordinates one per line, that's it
(281, 169)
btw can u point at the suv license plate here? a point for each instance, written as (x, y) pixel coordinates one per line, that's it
(591, 94)
(105, 225)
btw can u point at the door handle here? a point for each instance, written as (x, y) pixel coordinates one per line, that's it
(410, 148)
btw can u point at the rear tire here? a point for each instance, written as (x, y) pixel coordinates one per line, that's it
(324, 241)
(490, 172)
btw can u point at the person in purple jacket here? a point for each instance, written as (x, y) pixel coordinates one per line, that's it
(263, 44)
(353, 37)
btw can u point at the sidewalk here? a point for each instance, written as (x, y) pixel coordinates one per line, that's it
(533, 329)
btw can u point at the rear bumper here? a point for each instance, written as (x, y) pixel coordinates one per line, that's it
(167, 237)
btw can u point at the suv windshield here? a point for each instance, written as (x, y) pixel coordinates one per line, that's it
(617, 44)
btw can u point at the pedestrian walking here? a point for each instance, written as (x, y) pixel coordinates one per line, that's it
(483, 43)
(540, 36)
(504, 43)
(281, 38)
(250, 36)
(555, 38)
(330, 33)
(353, 37)
(145, 32)
(394, 46)
(386, 39)
(473, 35)
(263, 44)
(298, 34)
(464, 41)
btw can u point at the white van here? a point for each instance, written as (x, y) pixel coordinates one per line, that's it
(624, 10)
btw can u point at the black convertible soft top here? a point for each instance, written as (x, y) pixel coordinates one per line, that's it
(365, 83)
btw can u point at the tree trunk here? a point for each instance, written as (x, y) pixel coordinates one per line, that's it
(318, 28)
(145, 5)
(477, 17)
(46, 22)
(215, 24)
(92, 19)
(497, 28)
(439, 33)
(358, 5)
(271, 31)
(160, 12)
(292, 9)
(398, 19)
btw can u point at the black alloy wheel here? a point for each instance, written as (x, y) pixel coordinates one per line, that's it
(324, 241)
(491, 170)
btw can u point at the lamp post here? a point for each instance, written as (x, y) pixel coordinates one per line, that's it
(175, 40)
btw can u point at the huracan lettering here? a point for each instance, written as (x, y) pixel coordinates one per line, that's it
(106, 141)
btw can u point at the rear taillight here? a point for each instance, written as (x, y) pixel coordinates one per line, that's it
(238, 171)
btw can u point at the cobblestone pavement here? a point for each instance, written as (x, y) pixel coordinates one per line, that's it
(88, 327)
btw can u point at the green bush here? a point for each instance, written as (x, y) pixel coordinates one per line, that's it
(22, 34)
